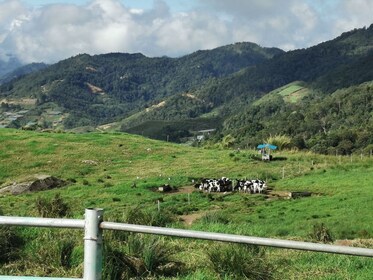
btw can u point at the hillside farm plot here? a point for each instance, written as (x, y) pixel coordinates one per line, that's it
(294, 93)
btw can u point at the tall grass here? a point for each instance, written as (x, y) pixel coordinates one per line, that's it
(231, 261)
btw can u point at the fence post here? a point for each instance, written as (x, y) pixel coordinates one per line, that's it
(93, 244)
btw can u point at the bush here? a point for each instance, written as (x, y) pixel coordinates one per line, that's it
(282, 141)
(10, 244)
(86, 182)
(140, 216)
(321, 233)
(116, 266)
(56, 208)
(142, 256)
(155, 255)
(55, 252)
(234, 261)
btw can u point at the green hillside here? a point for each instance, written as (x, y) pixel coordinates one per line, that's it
(291, 93)
(100, 89)
(20, 71)
(7, 65)
(303, 76)
(174, 131)
(337, 123)
(121, 172)
(254, 92)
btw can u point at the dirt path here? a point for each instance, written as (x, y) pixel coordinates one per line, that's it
(186, 189)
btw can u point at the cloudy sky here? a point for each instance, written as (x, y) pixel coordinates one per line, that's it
(51, 30)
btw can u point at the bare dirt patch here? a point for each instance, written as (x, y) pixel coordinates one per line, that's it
(174, 190)
(159, 105)
(22, 101)
(95, 89)
(186, 189)
(190, 218)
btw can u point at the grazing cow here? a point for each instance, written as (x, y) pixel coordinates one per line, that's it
(215, 185)
(226, 185)
(251, 186)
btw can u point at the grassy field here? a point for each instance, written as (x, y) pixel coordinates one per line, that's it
(120, 173)
(291, 93)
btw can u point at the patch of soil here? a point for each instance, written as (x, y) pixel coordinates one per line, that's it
(272, 195)
(190, 218)
(186, 189)
(174, 190)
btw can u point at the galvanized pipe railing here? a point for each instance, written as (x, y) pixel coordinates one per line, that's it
(41, 222)
(93, 225)
(279, 243)
(92, 240)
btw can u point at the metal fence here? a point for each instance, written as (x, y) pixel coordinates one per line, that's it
(93, 226)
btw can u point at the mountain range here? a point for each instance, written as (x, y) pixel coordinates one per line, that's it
(319, 97)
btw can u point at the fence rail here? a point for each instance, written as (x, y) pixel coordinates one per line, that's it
(93, 226)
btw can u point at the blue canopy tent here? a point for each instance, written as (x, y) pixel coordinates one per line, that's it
(265, 150)
(269, 146)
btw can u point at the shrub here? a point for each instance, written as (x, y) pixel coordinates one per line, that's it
(162, 218)
(67, 249)
(282, 141)
(56, 208)
(54, 252)
(141, 256)
(116, 266)
(321, 233)
(155, 255)
(233, 261)
(140, 216)
(86, 182)
(10, 244)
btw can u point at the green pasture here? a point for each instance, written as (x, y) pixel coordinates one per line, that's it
(121, 172)
(291, 93)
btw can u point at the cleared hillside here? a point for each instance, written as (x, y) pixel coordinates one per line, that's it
(121, 173)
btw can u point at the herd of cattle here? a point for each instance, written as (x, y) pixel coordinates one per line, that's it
(226, 185)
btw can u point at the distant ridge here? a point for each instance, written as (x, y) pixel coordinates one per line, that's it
(219, 88)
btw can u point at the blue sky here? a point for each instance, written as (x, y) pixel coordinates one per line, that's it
(51, 30)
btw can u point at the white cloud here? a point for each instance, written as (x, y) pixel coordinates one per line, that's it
(53, 32)
(188, 32)
(354, 13)
(11, 14)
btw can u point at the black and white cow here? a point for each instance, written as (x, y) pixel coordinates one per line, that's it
(215, 185)
(251, 186)
(226, 185)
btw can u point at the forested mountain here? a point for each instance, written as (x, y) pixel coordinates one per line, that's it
(8, 65)
(21, 71)
(242, 90)
(340, 122)
(94, 90)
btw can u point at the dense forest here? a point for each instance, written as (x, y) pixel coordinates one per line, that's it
(241, 90)
(337, 123)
